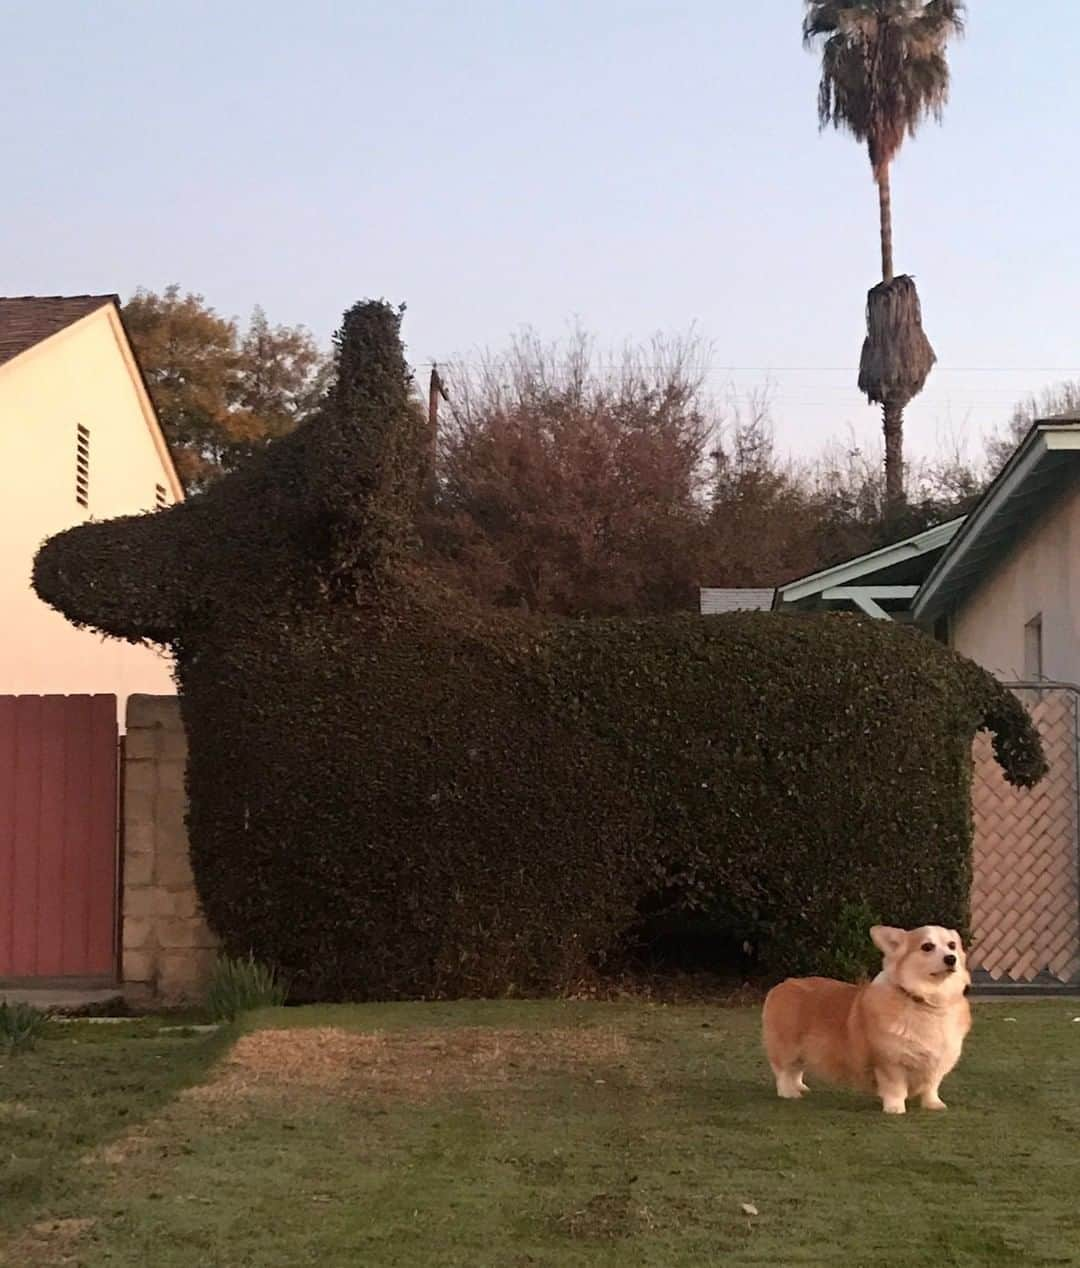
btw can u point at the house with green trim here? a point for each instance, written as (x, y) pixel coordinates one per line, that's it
(1001, 585)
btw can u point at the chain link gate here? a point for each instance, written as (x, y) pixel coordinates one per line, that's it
(1025, 900)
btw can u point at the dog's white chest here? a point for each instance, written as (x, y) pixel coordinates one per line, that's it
(921, 1039)
(914, 1040)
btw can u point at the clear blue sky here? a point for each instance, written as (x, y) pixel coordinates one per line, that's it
(638, 164)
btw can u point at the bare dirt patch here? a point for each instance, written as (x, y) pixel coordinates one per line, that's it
(48, 1242)
(414, 1064)
(606, 1216)
(15, 1112)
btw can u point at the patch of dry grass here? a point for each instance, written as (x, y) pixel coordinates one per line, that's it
(117, 1152)
(415, 1064)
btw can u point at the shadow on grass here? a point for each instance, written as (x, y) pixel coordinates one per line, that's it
(81, 1086)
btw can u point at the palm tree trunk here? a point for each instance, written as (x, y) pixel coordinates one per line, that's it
(892, 417)
(885, 209)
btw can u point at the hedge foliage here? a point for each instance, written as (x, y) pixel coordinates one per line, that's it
(394, 794)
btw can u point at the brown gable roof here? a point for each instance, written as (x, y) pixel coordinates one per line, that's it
(28, 319)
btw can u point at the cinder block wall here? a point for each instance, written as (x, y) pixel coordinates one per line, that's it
(168, 950)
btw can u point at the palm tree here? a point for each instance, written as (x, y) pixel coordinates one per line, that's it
(883, 71)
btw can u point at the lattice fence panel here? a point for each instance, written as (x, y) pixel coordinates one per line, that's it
(1026, 893)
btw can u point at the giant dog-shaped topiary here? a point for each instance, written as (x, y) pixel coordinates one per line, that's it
(396, 794)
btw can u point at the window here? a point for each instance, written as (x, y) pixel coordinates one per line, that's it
(82, 465)
(1033, 649)
(159, 497)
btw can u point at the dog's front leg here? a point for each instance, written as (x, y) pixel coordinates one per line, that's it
(892, 1088)
(929, 1091)
(929, 1097)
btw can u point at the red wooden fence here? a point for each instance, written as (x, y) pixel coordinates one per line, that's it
(58, 842)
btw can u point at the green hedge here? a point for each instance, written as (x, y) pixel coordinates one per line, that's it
(394, 794)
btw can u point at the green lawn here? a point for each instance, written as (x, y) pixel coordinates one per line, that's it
(514, 1134)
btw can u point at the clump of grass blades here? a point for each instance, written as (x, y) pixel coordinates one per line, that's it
(240, 984)
(20, 1026)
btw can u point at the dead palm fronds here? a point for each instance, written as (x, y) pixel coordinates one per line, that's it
(883, 71)
(896, 354)
(896, 360)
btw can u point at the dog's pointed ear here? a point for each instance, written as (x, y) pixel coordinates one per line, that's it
(887, 939)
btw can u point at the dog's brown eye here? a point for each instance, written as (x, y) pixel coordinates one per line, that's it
(952, 946)
(928, 946)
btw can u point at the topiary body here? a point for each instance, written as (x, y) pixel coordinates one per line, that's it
(396, 794)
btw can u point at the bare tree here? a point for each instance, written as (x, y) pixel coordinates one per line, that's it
(1062, 398)
(761, 527)
(847, 488)
(570, 481)
(576, 483)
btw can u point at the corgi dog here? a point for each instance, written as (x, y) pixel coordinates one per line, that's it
(898, 1035)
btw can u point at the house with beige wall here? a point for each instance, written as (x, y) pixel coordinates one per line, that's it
(79, 440)
(1006, 591)
(1001, 586)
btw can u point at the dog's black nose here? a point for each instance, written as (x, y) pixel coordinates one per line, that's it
(950, 960)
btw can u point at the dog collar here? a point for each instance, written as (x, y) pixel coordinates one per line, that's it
(915, 999)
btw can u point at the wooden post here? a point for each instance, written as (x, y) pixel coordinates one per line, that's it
(435, 391)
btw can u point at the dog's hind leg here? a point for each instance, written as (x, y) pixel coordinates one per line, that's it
(783, 1044)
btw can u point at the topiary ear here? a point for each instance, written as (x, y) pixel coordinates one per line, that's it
(366, 448)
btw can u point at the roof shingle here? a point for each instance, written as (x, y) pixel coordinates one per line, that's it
(28, 319)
